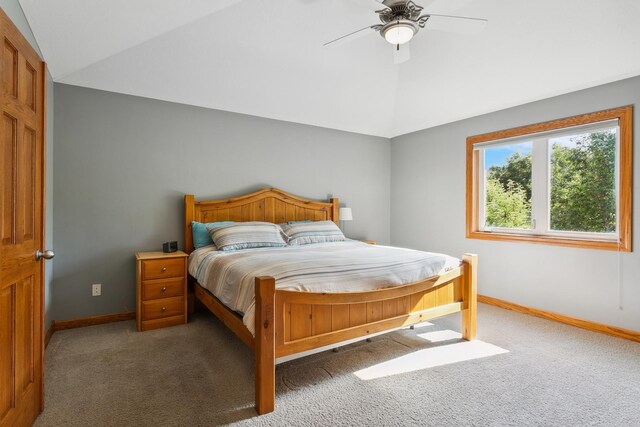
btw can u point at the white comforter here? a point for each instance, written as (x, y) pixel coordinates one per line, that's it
(328, 267)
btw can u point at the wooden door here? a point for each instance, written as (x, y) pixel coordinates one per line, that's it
(21, 228)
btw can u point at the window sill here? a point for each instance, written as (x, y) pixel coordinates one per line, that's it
(607, 245)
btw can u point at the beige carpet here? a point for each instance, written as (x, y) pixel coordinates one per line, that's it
(522, 371)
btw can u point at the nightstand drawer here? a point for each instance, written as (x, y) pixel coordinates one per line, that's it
(164, 288)
(165, 307)
(162, 322)
(161, 268)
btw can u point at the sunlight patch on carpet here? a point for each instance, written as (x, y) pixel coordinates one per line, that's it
(431, 357)
(439, 336)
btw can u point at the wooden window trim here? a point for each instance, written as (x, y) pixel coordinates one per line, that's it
(625, 190)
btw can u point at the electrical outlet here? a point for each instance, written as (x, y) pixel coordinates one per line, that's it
(96, 290)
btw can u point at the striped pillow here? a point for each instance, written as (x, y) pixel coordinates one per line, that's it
(246, 235)
(304, 233)
(201, 235)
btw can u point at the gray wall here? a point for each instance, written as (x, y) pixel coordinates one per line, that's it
(14, 11)
(428, 212)
(48, 238)
(124, 163)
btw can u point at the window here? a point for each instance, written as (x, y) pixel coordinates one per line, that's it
(565, 182)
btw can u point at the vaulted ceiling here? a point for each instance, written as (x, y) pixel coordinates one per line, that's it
(266, 58)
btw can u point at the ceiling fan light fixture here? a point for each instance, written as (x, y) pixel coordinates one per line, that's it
(399, 32)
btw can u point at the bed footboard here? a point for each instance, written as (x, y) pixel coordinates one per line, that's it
(264, 345)
(290, 322)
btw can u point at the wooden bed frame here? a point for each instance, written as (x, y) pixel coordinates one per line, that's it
(290, 322)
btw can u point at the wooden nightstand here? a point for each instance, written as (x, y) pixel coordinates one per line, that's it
(161, 289)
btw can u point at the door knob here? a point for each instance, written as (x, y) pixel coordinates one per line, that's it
(48, 254)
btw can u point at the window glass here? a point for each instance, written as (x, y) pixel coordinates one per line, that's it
(507, 171)
(583, 182)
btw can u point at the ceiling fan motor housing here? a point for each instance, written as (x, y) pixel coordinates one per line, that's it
(402, 16)
(399, 10)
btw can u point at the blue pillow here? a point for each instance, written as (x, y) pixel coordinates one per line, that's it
(201, 235)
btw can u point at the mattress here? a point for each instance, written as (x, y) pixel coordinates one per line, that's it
(349, 266)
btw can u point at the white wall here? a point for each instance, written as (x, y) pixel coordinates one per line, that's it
(428, 212)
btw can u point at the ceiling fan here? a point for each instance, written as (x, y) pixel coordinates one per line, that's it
(401, 21)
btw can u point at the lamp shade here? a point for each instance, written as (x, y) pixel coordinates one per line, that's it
(345, 214)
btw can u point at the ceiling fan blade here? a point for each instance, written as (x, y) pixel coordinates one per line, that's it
(349, 37)
(372, 4)
(401, 53)
(455, 24)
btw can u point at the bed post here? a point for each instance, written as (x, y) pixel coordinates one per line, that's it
(189, 212)
(335, 209)
(470, 296)
(264, 347)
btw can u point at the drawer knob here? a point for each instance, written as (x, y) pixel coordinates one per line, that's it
(164, 288)
(163, 269)
(163, 309)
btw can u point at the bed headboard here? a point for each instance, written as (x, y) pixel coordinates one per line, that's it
(269, 205)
